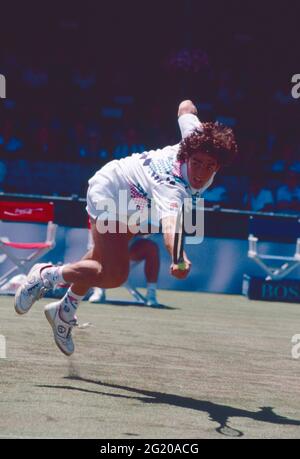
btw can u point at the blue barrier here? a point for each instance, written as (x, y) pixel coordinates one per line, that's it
(219, 263)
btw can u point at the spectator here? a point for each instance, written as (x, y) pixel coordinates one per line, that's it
(128, 144)
(35, 76)
(216, 196)
(10, 142)
(84, 78)
(287, 159)
(259, 198)
(288, 194)
(3, 173)
(87, 141)
(47, 136)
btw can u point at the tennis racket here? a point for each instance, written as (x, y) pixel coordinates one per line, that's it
(178, 258)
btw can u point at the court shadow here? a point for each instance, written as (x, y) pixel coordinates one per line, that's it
(221, 414)
(139, 305)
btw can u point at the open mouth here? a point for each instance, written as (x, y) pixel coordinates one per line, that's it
(198, 180)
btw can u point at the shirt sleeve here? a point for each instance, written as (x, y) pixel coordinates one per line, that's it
(188, 123)
(168, 200)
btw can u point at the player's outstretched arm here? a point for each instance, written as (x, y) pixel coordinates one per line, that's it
(187, 107)
(188, 118)
(169, 229)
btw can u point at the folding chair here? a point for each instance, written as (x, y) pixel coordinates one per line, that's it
(266, 262)
(26, 212)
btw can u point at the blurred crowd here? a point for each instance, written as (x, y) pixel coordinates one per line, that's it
(71, 110)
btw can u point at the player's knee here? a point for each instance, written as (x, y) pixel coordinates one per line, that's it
(96, 269)
(86, 272)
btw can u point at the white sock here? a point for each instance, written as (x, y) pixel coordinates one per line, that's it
(99, 290)
(69, 304)
(151, 289)
(53, 275)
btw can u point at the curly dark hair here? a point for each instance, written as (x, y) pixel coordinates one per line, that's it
(214, 139)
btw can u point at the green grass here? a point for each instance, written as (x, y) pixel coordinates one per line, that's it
(210, 366)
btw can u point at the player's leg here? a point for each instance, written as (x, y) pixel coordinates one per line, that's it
(105, 266)
(110, 256)
(145, 249)
(111, 253)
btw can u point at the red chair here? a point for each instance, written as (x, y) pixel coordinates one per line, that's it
(26, 212)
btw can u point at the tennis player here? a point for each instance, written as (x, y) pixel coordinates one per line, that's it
(161, 179)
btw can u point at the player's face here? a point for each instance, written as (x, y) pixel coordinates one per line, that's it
(200, 168)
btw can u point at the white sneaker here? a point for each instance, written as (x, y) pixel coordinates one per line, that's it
(152, 301)
(62, 330)
(33, 288)
(98, 296)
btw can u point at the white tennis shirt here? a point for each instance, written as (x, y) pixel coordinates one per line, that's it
(155, 177)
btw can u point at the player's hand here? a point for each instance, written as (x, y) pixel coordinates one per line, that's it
(180, 273)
